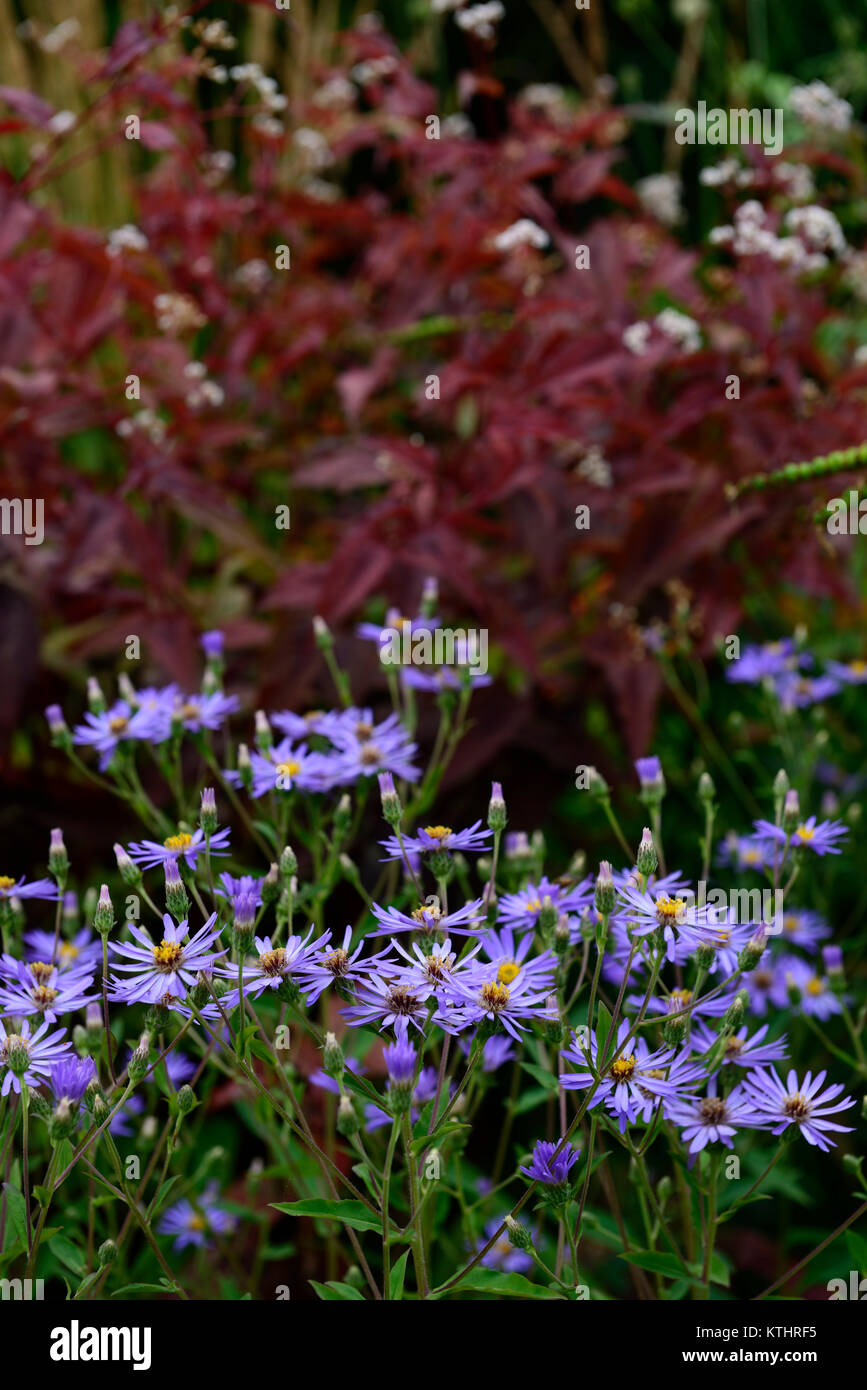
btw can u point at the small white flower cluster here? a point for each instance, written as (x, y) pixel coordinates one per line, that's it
(144, 421)
(479, 20)
(817, 104)
(314, 147)
(524, 232)
(459, 126)
(203, 391)
(337, 92)
(265, 86)
(214, 32)
(126, 238)
(660, 196)
(374, 70)
(595, 468)
(176, 313)
(816, 231)
(679, 328)
(793, 180)
(57, 38)
(253, 275)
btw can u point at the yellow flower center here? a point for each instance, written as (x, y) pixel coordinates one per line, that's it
(796, 1106)
(508, 971)
(40, 971)
(790, 923)
(494, 996)
(288, 769)
(533, 905)
(68, 951)
(370, 754)
(669, 909)
(190, 711)
(337, 961)
(803, 833)
(858, 668)
(6, 882)
(272, 962)
(167, 955)
(678, 999)
(198, 1223)
(179, 841)
(117, 723)
(43, 996)
(438, 832)
(622, 1069)
(363, 730)
(815, 986)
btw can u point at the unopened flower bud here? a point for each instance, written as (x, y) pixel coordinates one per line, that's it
(562, 934)
(791, 812)
(177, 901)
(245, 766)
(674, 1030)
(107, 1253)
(706, 788)
(429, 597)
(332, 1063)
(322, 633)
(734, 1013)
(347, 1120)
(96, 702)
(58, 859)
(781, 788)
(208, 811)
(753, 951)
(288, 863)
(519, 1235)
(244, 923)
(833, 959)
(129, 870)
(103, 917)
(186, 1099)
(647, 859)
(705, 955)
(596, 784)
(391, 807)
(605, 896)
(270, 888)
(264, 736)
(547, 915)
(343, 816)
(496, 809)
(140, 1059)
(57, 727)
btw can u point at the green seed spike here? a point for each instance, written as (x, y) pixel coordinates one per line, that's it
(839, 461)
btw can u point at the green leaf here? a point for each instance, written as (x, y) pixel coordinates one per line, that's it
(603, 1028)
(351, 1213)
(16, 1210)
(398, 1273)
(334, 1292)
(493, 1282)
(544, 1077)
(163, 1287)
(439, 1136)
(67, 1254)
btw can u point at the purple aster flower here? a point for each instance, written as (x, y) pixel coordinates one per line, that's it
(35, 987)
(27, 1058)
(498, 1049)
(43, 888)
(285, 768)
(817, 1000)
(374, 1115)
(746, 852)
(148, 853)
(275, 964)
(485, 999)
(81, 953)
(633, 1084)
(301, 726)
(335, 965)
(713, 1119)
(386, 1003)
(820, 838)
(364, 748)
(444, 678)
(196, 1223)
(508, 959)
(400, 1061)
(803, 928)
(799, 692)
(117, 724)
(433, 838)
(429, 919)
(522, 909)
(654, 911)
(850, 673)
(740, 1050)
(394, 621)
(246, 886)
(197, 712)
(549, 1167)
(70, 1078)
(434, 964)
(806, 1106)
(758, 663)
(766, 984)
(167, 969)
(324, 1082)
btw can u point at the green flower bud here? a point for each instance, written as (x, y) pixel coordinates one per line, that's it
(58, 859)
(129, 870)
(347, 1120)
(186, 1099)
(264, 736)
(177, 899)
(333, 1061)
(497, 818)
(103, 917)
(791, 812)
(140, 1059)
(270, 889)
(519, 1236)
(706, 788)
(107, 1253)
(605, 896)
(288, 863)
(208, 811)
(647, 859)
